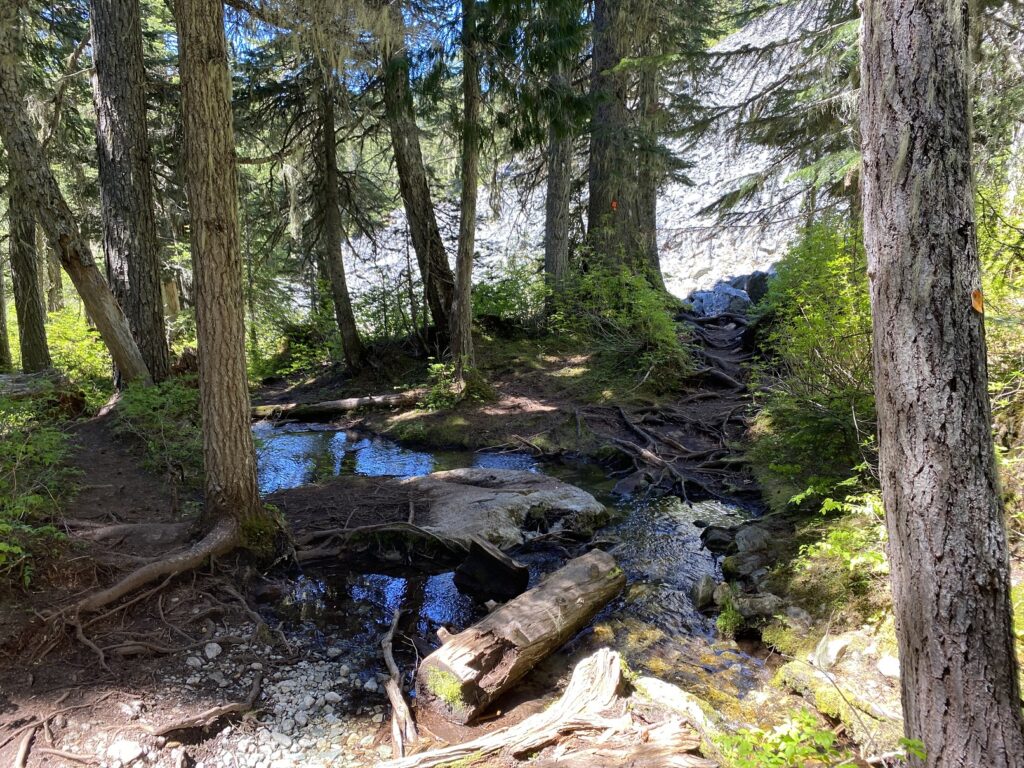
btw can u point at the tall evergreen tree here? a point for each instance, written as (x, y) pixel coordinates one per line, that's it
(125, 170)
(947, 537)
(28, 295)
(26, 159)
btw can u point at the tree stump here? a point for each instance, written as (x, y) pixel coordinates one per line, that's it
(462, 677)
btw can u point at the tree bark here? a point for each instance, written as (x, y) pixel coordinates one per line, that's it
(611, 209)
(438, 282)
(557, 200)
(54, 283)
(28, 298)
(947, 540)
(229, 456)
(462, 306)
(125, 176)
(6, 361)
(462, 677)
(649, 175)
(25, 158)
(354, 352)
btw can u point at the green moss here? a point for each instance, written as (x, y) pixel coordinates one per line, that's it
(729, 621)
(445, 686)
(260, 533)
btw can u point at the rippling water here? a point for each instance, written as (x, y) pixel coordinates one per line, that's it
(654, 624)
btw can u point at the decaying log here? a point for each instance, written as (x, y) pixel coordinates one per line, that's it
(474, 667)
(329, 409)
(593, 716)
(489, 572)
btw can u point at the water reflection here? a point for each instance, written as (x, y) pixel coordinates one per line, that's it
(294, 455)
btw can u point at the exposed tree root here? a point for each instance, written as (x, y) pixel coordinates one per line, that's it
(223, 538)
(208, 718)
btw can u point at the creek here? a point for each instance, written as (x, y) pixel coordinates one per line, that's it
(654, 623)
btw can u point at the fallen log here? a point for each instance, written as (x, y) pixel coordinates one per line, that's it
(329, 409)
(591, 720)
(462, 677)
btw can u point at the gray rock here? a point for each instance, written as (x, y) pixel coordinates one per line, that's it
(830, 650)
(889, 666)
(332, 697)
(722, 298)
(743, 564)
(125, 751)
(334, 652)
(281, 739)
(753, 538)
(301, 719)
(495, 504)
(718, 539)
(722, 594)
(370, 685)
(760, 606)
(704, 592)
(212, 651)
(194, 662)
(798, 617)
(757, 285)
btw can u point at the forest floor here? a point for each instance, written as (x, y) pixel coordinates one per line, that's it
(147, 681)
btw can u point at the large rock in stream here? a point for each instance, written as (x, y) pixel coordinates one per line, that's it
(501, 505)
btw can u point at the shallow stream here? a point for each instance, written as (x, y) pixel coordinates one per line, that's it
(654, 624)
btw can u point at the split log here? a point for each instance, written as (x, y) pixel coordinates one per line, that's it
(591, 702)
(489, 572)
(462, 677)
(403, 729)
(330, 409)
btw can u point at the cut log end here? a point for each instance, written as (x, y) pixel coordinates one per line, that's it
(465, 675)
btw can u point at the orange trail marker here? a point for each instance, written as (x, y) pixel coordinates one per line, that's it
(978, 301)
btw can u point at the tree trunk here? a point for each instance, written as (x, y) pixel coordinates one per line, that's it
(556, 202)
(331, 236)
(125, 176)
(612, 205)
(54, 282)
(462, 306)
(228, 453)
(25, 158)
(462, 677)
(438, 282)
(649, 175)
(28, 298)
(6, 362)
(947, 541)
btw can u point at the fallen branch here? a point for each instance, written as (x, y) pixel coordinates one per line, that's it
(210, 716)
(327, 410)
(403, 729)
(23, 748)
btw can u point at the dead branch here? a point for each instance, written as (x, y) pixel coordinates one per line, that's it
(327, 410)
(209, 717)
(403, 729)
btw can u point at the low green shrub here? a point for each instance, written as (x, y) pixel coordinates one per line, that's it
(34, 481)
(729, 621)
(798, 742)
(78, 350)
(628, 322)
(816, 419)
(165, 418)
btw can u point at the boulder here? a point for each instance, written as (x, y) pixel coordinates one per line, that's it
(757, 285)
(761, 606)
(718, 540)
(500, 505)
(722, 594)
(743, 564)
(704, 592)
(722, 298)
(753, 538)
(830, 650)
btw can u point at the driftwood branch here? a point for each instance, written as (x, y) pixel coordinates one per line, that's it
(329, 409)
(403, 729)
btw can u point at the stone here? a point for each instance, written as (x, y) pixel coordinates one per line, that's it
(301, 719)
(331, 697)
(632, 484)
(281, 739)
(334, 652)
(212, 651)
(753, 538)
(496, 504)
(719, 540)
(308, 702)
(722, 298)
(757, 285)
(704, 592)
(743, 564)
(888, 666)
(798, 617)
(722, 594)
(370, 685)
(759, 606)
(830, 650)
(343, 671)
(194, 662)
(125, 751)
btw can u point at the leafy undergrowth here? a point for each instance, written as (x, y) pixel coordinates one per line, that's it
(34, 481)
(165, 419)
(800, 740)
